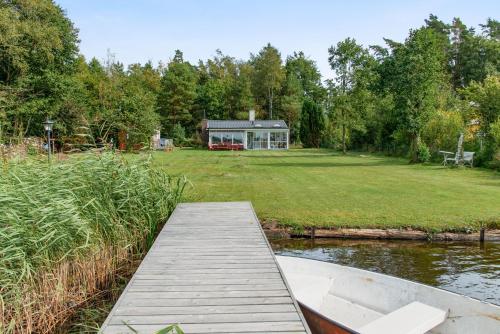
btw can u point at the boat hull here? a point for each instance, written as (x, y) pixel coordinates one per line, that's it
(319, 324)
(352, 298)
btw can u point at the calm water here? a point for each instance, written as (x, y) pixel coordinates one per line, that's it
(467, 268)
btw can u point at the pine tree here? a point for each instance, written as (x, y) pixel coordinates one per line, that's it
(312, 124)
(177, 94)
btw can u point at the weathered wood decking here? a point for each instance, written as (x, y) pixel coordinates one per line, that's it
(211, 270)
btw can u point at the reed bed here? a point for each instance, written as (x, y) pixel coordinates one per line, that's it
(67, 228)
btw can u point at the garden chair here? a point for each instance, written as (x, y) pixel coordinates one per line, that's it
(468, 158)
(450, 156)
(456, 157)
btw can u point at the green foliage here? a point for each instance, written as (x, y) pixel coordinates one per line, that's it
(71, 210)
(306, 72)
(485, 99)
(442, 130)
(350, 98)
(302, 80)
(423, 153)
(495, 134)
(268, 76)
(33, 80)
(177, 94)
(312, 124)
(25, 23)
(224, 88)
(495, 131)
(417, 74)
(291, 104)
(178, 134)
(386, 99)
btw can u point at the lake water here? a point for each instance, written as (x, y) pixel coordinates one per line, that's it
(468, 268)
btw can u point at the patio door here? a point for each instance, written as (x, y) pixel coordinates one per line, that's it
(250, 138)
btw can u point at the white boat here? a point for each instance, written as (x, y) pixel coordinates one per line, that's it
(339, 299)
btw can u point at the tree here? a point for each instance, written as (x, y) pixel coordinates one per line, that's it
(177, 93)
(306, 72)
(224, 88)
(491, 29)
(350, 96)
(268, 75)
(417, 75)
(485, 98)
(27, 73)
(312, 124)
(302, 79)
(242, 91)
(291, 104)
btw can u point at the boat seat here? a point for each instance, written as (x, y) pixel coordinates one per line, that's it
(347, 313)
(414, 318)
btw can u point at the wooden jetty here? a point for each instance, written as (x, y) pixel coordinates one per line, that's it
(210, 270)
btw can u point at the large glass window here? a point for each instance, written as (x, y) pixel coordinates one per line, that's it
(257, 140)
(226, 138)
(215, 138)
(238, 138)
(278, 140)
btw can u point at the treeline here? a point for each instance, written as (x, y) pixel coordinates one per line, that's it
(407, 98)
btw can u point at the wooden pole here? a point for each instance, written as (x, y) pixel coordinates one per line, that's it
(481, 234)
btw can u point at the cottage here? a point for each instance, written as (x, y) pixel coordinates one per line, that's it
(248, 135)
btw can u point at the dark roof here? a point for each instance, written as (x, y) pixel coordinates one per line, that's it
(257, 124)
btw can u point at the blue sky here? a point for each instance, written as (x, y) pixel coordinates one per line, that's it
(142, 30)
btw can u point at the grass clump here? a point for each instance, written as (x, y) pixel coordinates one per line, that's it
(67, 228)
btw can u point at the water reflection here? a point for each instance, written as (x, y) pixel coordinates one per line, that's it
(467, 268)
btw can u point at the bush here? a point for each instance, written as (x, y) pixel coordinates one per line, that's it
(495, 145)
(495, 132)
(442, 131)
(65, 229)
(423, 152)
(178, 135)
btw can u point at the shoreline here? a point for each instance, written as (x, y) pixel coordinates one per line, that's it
(274, 231)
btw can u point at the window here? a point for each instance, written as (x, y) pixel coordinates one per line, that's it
(260, 140)
(238, 138)
(278, 140)
(215, 138)
(226, 138)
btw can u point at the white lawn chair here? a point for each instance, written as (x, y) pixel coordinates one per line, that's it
(450, 156)
(457, 157)
(468, 158)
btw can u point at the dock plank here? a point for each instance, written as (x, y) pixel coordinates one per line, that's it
(211, 270)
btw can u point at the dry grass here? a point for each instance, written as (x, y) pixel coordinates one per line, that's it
(68, 229)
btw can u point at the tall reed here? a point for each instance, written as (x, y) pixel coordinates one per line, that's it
(66, 228)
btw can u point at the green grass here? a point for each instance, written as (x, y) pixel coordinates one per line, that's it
(303, 187)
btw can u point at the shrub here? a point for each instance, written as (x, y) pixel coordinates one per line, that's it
(442, 131)
(65, 229)
(178, 135)
(423, 152)
(495, 137)
(495, 132)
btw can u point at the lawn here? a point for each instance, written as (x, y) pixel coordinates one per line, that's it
(303, 187)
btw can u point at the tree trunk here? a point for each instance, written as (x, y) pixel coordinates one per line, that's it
(344, 150)
(270, 103)
(415, 139)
